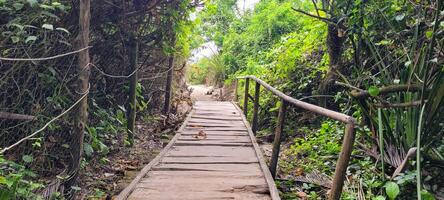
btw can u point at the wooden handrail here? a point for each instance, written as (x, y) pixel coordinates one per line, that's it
(307, 106)
(347, 143)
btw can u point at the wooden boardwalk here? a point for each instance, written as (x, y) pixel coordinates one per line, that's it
(214, 155)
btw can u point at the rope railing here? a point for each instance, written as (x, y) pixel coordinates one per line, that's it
(347, 143)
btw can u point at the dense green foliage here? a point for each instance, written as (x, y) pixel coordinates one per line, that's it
(47, 87)
(383, 45)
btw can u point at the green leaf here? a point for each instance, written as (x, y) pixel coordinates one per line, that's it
(18, 6)
(32, 2)
(378, 198)
(48, 26)
(30, 38)
(400, 17)
(27, 158)
(373, 91)
(391, 189)
(425, 195)
(429, 34)
(408, 63)
(6, 181)
(15, 39)
(88, 149)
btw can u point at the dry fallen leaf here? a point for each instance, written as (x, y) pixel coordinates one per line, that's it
(201, 135)
(299, 171)
(302, 195)
(196, 126)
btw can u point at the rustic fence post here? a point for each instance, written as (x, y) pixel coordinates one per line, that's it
(81, 116)
(132, 107)
(256, 108)
(236, 96)
(168, 86)
(247, 86)
(278, 138)
(342, 163)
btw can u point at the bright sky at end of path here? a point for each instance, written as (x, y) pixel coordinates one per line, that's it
(247, 4)
(209, 48)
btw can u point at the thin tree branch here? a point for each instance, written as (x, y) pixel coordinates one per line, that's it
(45, 58)
(6, 115)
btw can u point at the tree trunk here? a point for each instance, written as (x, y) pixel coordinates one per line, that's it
(335, 43)
(76, 142)
(168, 86)
(132, 107)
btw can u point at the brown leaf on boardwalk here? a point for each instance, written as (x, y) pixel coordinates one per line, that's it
(195, 126)
(299, 171)
(201, 135)
(302, 195)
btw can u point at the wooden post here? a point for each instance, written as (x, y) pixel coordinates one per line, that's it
(236, 96)
(247, 86)
(132, 107)
(342, 163)
(256, 107)
(168, 86)
(81, 117)
(278, 138)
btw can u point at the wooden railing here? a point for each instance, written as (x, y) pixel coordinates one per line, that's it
(347, 143)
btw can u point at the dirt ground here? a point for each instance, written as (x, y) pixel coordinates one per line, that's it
(201, 93)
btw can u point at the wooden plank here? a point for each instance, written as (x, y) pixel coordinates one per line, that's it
(240, 128)
(253, 168)
(197, 125)
(226, 118)
(210, 151)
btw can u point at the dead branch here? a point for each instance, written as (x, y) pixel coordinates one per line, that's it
(46, 58)
(400, 105)
(15, 116)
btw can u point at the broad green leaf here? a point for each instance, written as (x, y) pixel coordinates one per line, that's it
(391, 189)
(15, 39)
(18, 6)
(2, 180)
(48, 26)
(30, 38)
(88, 149)
(400, 17)
(373, 91)
(378, 198)
(6, 181)
(425, 195)
(27, 158)
(429, 34)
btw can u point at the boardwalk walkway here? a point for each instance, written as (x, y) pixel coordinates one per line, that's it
(214, 155)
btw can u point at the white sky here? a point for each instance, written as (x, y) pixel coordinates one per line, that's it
(209, 48)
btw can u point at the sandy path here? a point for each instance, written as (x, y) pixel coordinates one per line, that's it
(199, 93)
